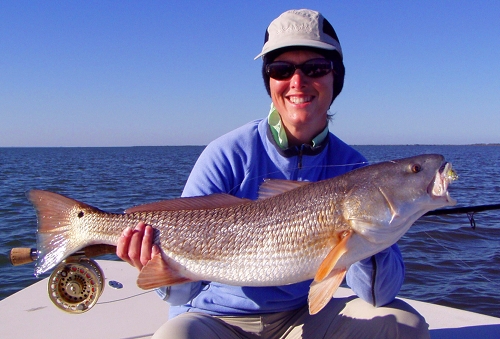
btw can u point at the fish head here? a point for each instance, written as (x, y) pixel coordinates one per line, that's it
(385, 199)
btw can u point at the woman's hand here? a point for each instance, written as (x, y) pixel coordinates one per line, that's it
(136, 246)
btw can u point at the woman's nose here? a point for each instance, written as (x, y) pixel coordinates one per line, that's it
(298, 79)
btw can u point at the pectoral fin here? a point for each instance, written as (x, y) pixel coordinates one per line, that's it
(158, 273)
(331, 259)
(328, 279)
(320, 293)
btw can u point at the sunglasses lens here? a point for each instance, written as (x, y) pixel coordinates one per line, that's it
(280, 70)
(315, 68)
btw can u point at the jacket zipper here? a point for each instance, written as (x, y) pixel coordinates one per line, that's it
(301, 152)
(374, 275)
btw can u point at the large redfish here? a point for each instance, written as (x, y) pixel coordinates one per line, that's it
(295, 231)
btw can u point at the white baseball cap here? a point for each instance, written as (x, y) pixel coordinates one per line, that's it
(302, 27)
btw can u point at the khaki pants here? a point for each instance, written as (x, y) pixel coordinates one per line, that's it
(342, 318)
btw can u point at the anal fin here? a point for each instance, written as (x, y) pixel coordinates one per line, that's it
(158, 273)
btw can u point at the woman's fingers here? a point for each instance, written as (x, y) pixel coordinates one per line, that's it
(134, 250)
(147, 245)
(156, 250)
(123, 245)
(136, 246)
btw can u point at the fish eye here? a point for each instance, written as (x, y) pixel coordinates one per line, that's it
(416, 168)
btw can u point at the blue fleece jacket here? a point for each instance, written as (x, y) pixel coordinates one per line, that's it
(237, 163)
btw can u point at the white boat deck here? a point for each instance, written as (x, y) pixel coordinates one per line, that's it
(133, 313)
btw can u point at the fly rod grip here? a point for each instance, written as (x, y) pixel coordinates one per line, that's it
(99, 249)
(22, 255)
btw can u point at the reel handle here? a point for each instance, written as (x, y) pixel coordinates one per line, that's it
(24, 255)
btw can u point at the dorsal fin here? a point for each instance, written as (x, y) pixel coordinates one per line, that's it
(272, 187)
(192, 203)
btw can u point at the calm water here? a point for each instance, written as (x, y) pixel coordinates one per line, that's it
(447, 261)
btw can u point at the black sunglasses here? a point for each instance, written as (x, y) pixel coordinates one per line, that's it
(314, 68)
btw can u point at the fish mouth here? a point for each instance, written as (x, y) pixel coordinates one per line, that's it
(438, 187)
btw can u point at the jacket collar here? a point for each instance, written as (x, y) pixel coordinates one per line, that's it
(277, 135)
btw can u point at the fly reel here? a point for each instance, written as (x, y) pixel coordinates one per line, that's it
(76, 284)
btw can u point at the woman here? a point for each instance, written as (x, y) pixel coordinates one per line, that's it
(303, 73)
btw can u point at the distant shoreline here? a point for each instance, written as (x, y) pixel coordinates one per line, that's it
(382, 145)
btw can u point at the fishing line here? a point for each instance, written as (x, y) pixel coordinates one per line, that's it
(469, 211)
(435, 222)
(458, 259)
(266, 176)
(129, 297)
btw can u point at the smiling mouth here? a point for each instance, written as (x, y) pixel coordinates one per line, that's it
(300, 99)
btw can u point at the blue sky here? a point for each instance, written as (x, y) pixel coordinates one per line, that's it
(129, 73)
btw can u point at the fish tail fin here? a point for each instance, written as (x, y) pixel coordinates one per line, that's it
(58, 227)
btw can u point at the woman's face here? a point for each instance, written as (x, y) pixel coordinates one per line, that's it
(301, 101)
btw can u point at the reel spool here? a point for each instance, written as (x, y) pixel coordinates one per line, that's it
(76, 284)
